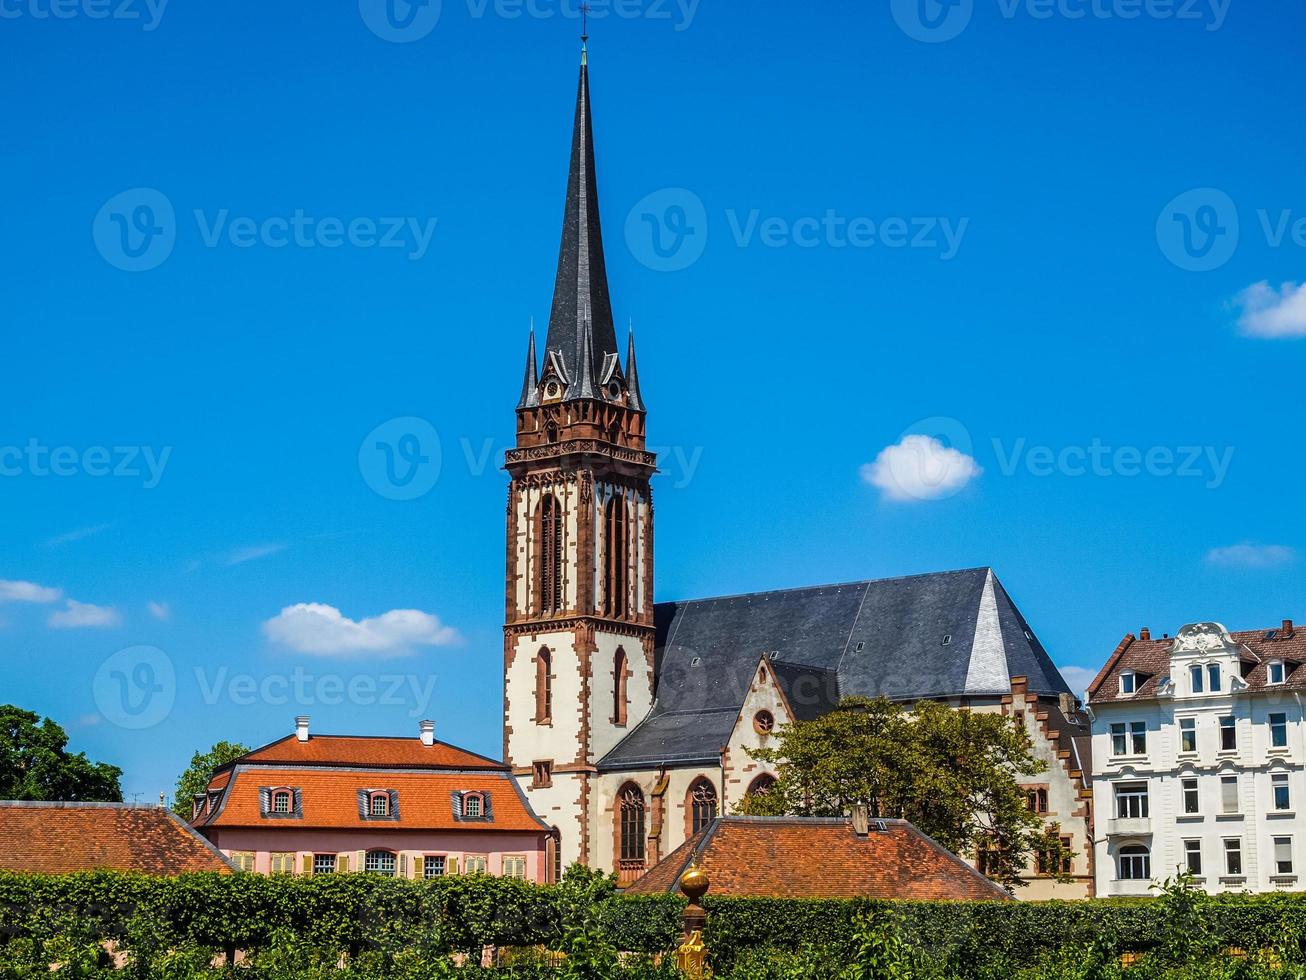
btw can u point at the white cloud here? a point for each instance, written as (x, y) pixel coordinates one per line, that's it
(160, 611)
(242, 555)
(1078, 678)
(83, 615)
(1247, 555)
(27, 592)
(312, 627)
(1271, 313)
(920, 467)
(76, 534)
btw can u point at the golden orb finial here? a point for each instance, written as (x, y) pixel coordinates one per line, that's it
(694, 883)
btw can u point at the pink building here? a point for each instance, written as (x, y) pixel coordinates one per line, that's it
(406, 807)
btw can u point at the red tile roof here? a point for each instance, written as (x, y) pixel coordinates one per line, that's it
(363, 750)
(1151, 658)
(56, 838)
(329, 799)
(799, 857)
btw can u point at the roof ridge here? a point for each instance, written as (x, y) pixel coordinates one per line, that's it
(831, 585)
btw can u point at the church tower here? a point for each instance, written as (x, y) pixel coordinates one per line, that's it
(578, 633)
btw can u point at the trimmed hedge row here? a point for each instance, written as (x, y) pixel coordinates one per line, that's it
(357, 913)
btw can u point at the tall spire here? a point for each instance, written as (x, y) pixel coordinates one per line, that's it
(530, 386)
(581, 317)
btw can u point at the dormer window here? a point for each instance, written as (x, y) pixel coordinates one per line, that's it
(473, 805)
(281, 801)
(1276, 673)
(1128, 682)
(379, 805)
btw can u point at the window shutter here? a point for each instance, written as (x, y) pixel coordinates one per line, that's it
(342, 863)
(403, 866)
(394, 803)
(362, 804)
(457, 798)
(298, 800)
(487, 808)
(307, 864)
(451, 866)
(361, 857)
(265, 800)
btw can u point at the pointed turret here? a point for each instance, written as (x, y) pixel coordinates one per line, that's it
(582, 310)
(530, 386)
(633, 398)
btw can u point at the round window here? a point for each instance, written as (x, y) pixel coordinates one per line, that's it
(764, 722)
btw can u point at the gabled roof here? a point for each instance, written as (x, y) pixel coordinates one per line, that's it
(329, 798)
(366, 751)
(948, 634)
(58, 838)
(804, 857)
(1150, 658)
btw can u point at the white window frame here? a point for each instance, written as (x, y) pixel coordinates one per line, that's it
(1128, 682)
(1225, 783)
(514, 866)
(1134, 866)
(1119, 738)
(1191, 792)
(1132, 801)
(1282, 866)
(1230, 729)
(1196, 678)
(1281, 781)
(1273, 667)
(476, 864)
(1278, 728)
(1187, 730)
(1138, 738)
(1233, 852)
(1193, 850)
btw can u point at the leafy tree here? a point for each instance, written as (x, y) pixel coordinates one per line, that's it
(197, 775)
(950, 772)
(35, 763)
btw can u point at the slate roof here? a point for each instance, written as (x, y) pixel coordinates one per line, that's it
(948, 634)
(797, 857)
(580, 323)
(58, 838)
(328, 799)
(1151, 659)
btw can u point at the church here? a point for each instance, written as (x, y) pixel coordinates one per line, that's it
(628, 722)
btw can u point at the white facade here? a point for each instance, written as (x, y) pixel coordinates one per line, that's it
(1196, 768)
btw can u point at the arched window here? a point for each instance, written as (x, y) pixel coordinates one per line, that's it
(548, 537)
(620, 668)
(1135, 863)
(630, 806)
(761, 785)
(702, 805)
(281, 801)
(543, 686)
(380, 862)
(614, 558)
(379, 804)
(473, 805)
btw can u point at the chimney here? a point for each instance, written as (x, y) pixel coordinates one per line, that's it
(1288, 629)
(1145, 634)
(1069, 704)
(428, 732)
(301, 728)
(861, 819)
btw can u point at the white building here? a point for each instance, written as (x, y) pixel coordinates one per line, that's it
(1198, 752)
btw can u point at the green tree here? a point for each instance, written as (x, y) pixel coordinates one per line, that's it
(197, 775)
(950, 772)
(35, 763)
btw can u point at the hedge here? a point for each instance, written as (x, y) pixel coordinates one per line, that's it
(360, 912)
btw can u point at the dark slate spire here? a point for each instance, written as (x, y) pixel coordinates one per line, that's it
(633, 398)
(530, 386)
(582, 312)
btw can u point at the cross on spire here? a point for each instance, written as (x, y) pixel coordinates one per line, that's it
(585, 22)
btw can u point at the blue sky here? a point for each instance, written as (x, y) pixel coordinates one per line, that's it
(931, 289)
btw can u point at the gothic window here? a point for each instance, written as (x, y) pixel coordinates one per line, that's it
(614, 558)
(630, 806)
(764, 723)
(619, 701)
(548, 538)
(543, 686)
(702, 805)
(761, 785)
(556, 843)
